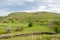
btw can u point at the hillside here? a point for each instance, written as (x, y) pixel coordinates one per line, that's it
(21, 25)
(22, 17)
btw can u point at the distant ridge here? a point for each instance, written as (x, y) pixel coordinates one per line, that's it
(18, 17)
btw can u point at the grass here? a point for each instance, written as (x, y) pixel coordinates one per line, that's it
(27, 30)
(34, 28)
(22, 19)
(35, 37)
(13, 25)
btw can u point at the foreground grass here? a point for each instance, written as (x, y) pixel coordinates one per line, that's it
(34, 28)
(13, 25)
(35, 37)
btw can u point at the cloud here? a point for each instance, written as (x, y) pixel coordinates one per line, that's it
(8, 6)
(29, 0)
(15, 2)
(48, 1)
(50, 7)
(42, 8)
(3, 12)
(55, 8)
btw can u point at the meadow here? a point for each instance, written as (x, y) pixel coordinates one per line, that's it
(35, 37)
(25, 23)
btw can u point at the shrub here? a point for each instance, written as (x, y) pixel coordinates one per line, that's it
(7, 30)
(12, 21)
(55, 25)
(30, 24)
(43, 22)
(5, 21)
(19, 28)
(56, 29)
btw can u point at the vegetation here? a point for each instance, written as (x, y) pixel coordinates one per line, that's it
(19, 28)
(25, 22)
(30, 24)
(56, 26)
(36, 37)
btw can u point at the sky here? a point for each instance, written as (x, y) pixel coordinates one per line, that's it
(9, 6)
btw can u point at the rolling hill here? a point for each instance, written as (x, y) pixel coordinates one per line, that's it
(17, 23)
(22, 17)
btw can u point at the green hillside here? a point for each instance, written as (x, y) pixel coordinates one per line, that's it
(26, 17)
(19, 23)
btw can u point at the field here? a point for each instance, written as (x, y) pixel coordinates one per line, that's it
(35, 37)
(25, 23)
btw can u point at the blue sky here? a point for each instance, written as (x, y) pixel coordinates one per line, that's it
(8, 6)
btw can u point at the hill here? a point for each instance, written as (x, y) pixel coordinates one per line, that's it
(27, 23)
(26, 17)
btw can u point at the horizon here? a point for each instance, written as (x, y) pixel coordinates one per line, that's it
(28, 12)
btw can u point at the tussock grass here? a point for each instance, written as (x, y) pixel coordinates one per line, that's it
(35, 37)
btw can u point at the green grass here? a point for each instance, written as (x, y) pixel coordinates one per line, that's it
(34, 28)
(35, 37)
(23, 19)
(13, 24)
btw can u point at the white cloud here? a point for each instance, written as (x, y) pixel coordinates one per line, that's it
(55, 8)
(13, 2)
(16, 2)
(39, 8)
(49, 8)
(49, 1)
(42, 8)
(29, 0)
(3, 12)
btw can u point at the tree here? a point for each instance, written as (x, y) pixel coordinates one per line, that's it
(30, 24)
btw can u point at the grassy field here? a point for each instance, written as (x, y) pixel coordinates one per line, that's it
(35, 28)
(39, 22)
(35, 37)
